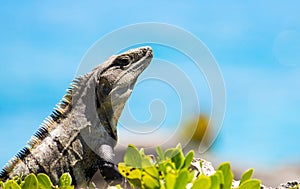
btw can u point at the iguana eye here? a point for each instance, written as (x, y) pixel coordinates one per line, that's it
(123, 61)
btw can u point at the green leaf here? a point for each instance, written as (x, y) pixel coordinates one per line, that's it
(250, 184)
(176, 155)
(11, 184)
(167, 166)
(65, 180)
(220, 178)
(188, 159)
(132, 157)
(169, 153)
(129, 172)
(31, 182)
(172, 152)
(182, 180)
(149, 182)
(142, 152)
(179, 147)
(160, 153)
(227, 173)
(178, 159)
(246, 176)
(215, 182)
(135, 183)
(44, 181)
(202, 182)
(149, 168)
(170, 180)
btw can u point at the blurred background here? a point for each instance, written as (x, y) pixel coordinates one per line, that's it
(256, 45)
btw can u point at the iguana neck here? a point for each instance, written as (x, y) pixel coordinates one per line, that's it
(79, 136)
(86, 104)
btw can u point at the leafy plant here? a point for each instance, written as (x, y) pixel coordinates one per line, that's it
(40, 181)
(171, 170)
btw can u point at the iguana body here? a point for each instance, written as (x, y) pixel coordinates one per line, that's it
(80, 134)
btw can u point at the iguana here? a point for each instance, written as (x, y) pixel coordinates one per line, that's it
(80, 134)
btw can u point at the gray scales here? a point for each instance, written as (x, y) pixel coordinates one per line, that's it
(80, 135)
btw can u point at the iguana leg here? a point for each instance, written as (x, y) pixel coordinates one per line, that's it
(107, 168)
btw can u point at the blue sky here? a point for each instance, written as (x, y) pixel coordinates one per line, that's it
(256, 45)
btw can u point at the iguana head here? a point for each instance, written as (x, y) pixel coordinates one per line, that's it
(116, 81)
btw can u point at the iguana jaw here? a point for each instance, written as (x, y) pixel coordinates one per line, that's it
(117, 81)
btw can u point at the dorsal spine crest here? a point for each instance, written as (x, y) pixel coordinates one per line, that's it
(49, 123)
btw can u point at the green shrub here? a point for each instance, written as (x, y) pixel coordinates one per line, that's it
(40, 181)
(171, 170)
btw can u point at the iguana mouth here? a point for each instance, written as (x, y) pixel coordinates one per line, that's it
(140, 62)
(124, 71)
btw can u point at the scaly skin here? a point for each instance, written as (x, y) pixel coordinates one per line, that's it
(81, 133)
